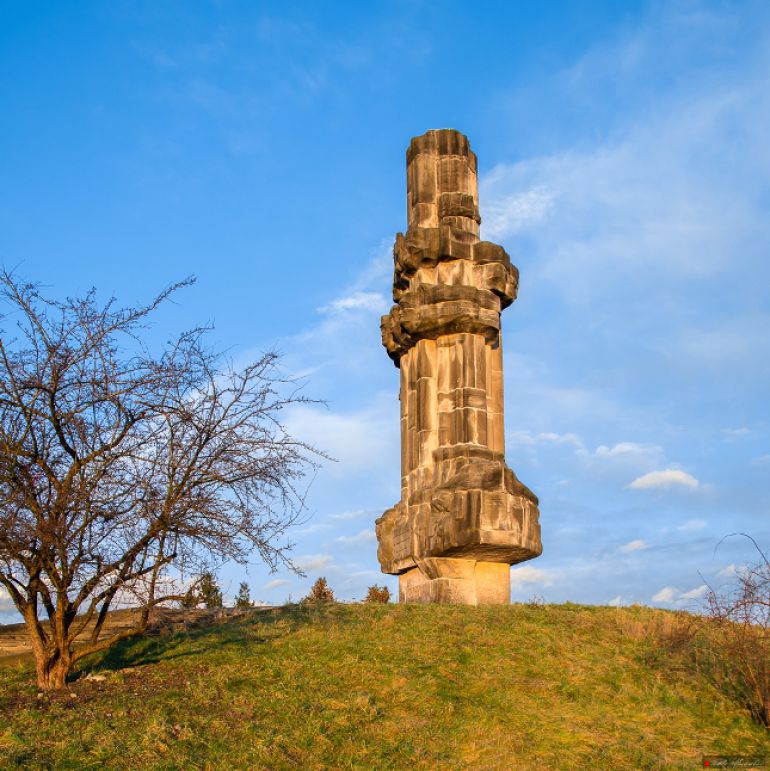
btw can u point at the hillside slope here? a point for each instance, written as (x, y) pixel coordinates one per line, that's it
(356, 686)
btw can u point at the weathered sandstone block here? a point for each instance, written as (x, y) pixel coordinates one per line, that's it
(463, 517)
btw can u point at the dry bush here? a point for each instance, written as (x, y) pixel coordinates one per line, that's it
(319, 592)
(672, 634)
(741, 618)
(675, 632)
(377, 594)
(730, 645)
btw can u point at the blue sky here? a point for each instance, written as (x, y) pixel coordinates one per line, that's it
(260, 146)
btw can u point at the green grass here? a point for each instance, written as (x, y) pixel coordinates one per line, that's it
(379, 687)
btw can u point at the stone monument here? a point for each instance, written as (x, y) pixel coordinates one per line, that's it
(463, 517)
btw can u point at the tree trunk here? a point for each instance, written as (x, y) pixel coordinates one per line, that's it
(52, 676)
(52, 671)
(51, 666)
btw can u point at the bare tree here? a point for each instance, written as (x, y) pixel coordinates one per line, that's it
(742, 616)
(121, 470)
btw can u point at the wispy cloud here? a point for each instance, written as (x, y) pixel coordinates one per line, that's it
(730, 571)
(645, 452)
(313, 562)
(373, 302)
(529, 574)
(692, 526)
(358, 440)
(671, 595)
(529, 438)
(636, 545)
(317, 527)
(346, 516)
(275, 583)
(365, 536)
(694, 594)
(621, 455)
(736, 433)
(508, 214)
(666, 594)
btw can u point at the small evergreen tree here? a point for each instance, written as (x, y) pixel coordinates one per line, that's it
(209, 592)
(377, 594)
(189, 600)
(243, 600)
(320, 592)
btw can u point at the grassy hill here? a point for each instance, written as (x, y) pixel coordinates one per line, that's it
(370, 687)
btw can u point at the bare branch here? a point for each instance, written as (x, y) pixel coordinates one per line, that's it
(118, 466)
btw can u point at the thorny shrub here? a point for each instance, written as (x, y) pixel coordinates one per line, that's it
(742, 621)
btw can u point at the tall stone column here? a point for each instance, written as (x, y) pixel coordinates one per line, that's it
(463, 517)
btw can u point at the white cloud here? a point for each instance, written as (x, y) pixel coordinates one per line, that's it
(362, 440)
(374, 302)
(623, 459)
(635, 545)
(674, 194)
(664, 479)
(615, 602)
(529, 438)
(762, 460)
(669, 594)
(313, 562)
(6, 603)
(357, 514)
(694, 594)
(636, 217)
(666, 594)
(509, 214)
(365, 536)
(692, 526)
(736, 341)
(623, 456)
(528, 574)
(275, 583)
(730, 571)
(553, 438)
(588, 208)
(734, 433)
(345, 339)
(368, 573)
(646, 453)
(318, 527)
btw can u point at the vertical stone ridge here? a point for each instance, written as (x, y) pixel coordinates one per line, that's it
(463, 517)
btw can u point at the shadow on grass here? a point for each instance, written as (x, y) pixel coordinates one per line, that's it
(254, 628)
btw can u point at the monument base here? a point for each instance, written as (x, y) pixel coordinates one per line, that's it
(454, 581)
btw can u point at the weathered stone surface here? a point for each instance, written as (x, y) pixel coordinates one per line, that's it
(463, 517)
(457, 581)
